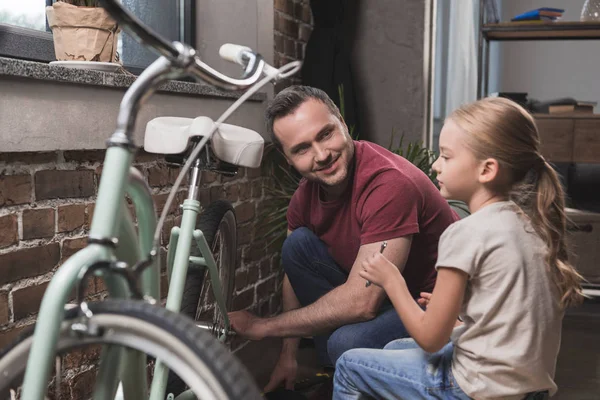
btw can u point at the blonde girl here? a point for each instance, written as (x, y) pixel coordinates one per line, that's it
(503, 270)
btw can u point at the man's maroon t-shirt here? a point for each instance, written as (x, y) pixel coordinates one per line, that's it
(389, 197)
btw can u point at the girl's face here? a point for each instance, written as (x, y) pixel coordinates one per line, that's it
(457, 168)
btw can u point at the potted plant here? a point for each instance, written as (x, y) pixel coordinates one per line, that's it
(82, 31)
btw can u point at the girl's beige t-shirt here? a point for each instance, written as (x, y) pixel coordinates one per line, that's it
(511, 308)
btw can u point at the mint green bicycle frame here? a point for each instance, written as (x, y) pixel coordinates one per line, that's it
(112, 237)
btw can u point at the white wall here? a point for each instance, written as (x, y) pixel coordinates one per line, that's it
(553, 69)
(245, 22)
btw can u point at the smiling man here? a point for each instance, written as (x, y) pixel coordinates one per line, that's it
(354, 195)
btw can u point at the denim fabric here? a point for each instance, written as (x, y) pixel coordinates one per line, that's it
(402, 370)
(313, 273)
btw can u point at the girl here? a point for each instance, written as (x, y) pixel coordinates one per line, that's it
(504, 270)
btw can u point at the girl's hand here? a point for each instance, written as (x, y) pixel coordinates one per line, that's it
(380, 271)
(425, 299)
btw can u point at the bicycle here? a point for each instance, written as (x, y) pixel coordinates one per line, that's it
(132, 330)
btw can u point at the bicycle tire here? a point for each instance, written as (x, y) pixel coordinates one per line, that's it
(210, 369)
(217, 218)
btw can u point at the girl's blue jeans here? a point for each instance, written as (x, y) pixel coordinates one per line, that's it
(402, 370)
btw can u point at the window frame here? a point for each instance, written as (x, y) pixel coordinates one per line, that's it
(34, 45)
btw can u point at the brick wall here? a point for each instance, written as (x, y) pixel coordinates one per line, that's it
(292, 26)
(46, 205)
(47, 202)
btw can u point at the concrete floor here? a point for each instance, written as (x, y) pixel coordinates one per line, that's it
(577, 373)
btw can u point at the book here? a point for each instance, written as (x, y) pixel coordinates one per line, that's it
(544, 13)
(571, 108)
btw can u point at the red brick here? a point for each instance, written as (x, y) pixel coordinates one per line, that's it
(279, 43)
(85, 356)
(252, 173)
(254, 252)
(83, 384)
(306, 14)
(252, 274)
(160, 201)
(9, 230)
(276, 60)
(89, 214)
(27, 301)
(38, 223)
(217, 193)
(72, 246)
(276, 304)
(28, 157)
(244, 212)
(71, 217)
(158, 175)
(289, 48)
(143, 157)
(299, 50)
(52, 184)
(3, 308)
(241, 279)
(209, 177)
(243, 300)
(29, 262)
(85, 155)
(304, 33)
(288, 27)
(244, 234)
(286, 6)
(266, 288)
(204, 197)
(257, 189)
(264, 309)
(9, 335)
(15, 189)
(265, 268)
(231, 192)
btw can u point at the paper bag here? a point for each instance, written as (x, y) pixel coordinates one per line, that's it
(82, 33)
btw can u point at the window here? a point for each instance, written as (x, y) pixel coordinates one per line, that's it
(25, 33)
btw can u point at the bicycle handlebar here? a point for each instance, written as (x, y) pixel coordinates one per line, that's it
(184, 56)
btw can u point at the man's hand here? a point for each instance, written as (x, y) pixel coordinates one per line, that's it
(380, 271)
(247, 325)
(284, 372)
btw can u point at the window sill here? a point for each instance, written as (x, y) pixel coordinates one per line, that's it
(10, 67)
(48, 108)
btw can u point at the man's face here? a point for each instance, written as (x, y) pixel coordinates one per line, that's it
(316, 143)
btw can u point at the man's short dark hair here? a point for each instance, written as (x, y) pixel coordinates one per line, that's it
(289, 99)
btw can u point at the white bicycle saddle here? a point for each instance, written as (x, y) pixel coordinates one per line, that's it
(230, 143)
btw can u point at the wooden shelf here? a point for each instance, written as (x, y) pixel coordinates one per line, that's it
(569, 137)
(571, 30)
(567, 116)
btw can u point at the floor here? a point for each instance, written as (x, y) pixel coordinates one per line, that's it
(577, 374)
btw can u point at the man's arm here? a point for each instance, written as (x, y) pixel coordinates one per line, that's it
(348, 303)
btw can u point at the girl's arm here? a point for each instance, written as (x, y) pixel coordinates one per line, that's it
(431, 329)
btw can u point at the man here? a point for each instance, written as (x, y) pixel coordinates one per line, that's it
(354, 196)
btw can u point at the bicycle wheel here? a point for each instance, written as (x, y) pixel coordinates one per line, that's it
(206, 366)
(218, 224)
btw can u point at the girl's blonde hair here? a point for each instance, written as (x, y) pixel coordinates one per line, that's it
(501, 129)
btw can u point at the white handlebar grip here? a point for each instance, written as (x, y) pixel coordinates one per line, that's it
(233, 52)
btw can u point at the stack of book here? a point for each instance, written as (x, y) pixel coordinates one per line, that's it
(539, 15)
(576, 107)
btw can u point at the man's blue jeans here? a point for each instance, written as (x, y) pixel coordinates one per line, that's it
(313, 273)
(402, 370)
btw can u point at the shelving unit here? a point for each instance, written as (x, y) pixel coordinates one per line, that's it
(509, 31)
(565, 138)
